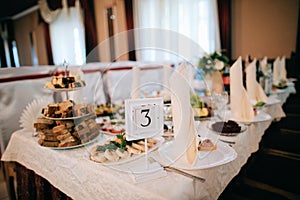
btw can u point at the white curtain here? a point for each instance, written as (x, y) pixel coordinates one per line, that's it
(168, 27)
(66, 33)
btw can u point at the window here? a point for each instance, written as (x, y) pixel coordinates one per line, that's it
(66, 33)
(175, 29)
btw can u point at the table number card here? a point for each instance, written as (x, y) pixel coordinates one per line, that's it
(144, 118)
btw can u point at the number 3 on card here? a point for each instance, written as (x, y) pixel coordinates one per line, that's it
(144, 118)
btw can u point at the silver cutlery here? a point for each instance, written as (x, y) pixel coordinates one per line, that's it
(178, 171)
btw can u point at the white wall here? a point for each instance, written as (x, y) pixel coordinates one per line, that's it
(264, 27)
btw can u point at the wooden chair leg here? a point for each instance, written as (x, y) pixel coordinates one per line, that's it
(10, 178)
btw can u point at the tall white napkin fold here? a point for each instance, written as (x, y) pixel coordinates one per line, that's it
(184, 146)
(276, 71)
(241, 107)
(166, 85)
(264, 65)
(254, 89)
(135, 84)
(282, 69)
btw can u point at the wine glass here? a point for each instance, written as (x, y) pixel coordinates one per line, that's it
(220, 100)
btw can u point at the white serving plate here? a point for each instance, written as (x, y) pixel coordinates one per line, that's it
(206, 159)
(260, 117)
(160, 141)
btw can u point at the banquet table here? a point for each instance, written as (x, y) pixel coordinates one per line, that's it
(71, 171)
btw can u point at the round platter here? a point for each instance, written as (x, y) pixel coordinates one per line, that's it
(79, 145)
(68, 118)
(64, 89)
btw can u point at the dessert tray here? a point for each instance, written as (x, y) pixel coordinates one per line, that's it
(66, 124)
(221, 155)
(65, 89)
(93, 140)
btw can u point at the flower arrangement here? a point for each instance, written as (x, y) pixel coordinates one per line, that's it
(213, 62)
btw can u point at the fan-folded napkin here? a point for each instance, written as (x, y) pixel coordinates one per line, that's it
(241, 107)
(276, 71)
(254, 89)
(282, 69)
(263, 65)
(184, 146)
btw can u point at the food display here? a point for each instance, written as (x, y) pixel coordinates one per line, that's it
(201, 109)
(229, 126)
(66, 124)
(112, 127)
(67, 109)
(281, 85)
(66, 133)
(119, 148)
(258, 106)
(64, 82)
(206, 145)
(106, 109)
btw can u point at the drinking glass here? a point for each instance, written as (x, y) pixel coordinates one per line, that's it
(220, 100)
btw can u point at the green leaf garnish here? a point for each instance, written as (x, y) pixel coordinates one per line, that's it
(107, 146)
(261, 103)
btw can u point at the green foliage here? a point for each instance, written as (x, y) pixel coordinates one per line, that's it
(196, 101)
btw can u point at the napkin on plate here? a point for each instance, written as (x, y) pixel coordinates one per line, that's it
(254, 89)
(135, 90)
(240, 105)
(282, 69)
(184, 146)
(263, 65)
(276, 71)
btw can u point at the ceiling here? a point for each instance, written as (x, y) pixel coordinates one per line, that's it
(9, 8)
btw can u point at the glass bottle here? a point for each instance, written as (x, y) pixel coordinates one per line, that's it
(226, 79)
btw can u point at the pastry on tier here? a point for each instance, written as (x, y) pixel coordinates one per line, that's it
(65, 82)
(66, 133)
(67, 109)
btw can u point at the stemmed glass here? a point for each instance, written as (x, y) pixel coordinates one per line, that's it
(220, 100)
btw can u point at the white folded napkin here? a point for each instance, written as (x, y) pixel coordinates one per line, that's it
(184, 146)
(240, 105)
(254, 89)
(282, 69)
(276, 71)
(135, 85)
(166, 85)
(263, 65)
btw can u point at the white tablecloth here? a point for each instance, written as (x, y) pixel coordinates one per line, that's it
(73, 173)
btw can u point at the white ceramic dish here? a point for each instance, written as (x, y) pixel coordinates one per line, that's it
(160, 141)
(221, 155)
(68, 118)
(260, 117)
